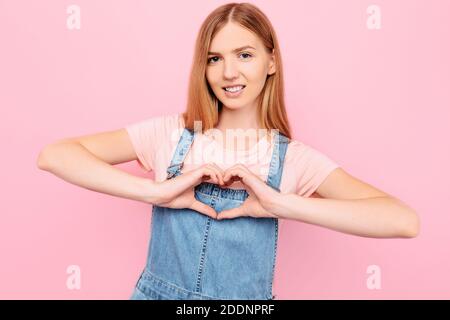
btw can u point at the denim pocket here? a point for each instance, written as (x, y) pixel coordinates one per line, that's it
(138, 295)
(145, 289)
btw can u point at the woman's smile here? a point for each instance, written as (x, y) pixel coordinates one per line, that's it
(234, 92)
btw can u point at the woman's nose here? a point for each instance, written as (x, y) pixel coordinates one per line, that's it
(230, 70)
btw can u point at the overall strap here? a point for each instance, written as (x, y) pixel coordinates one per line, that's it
(281, 143)
(186, 139)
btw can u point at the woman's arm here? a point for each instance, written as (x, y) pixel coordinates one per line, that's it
(70, 160)
(350, 206)
(382, 217)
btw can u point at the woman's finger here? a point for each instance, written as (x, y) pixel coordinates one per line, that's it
(231, 213)
(219, 171)
(233, 175)
(203, 208)
(212, 174)
(246, 177)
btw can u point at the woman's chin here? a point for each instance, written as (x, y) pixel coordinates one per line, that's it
(233, 106)
(233, 103)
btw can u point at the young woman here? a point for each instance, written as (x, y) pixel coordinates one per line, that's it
(216, 204)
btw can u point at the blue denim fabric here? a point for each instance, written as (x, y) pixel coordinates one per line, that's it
(192, 256)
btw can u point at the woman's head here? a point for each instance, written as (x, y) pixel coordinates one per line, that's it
(237, 56)
(237, 45)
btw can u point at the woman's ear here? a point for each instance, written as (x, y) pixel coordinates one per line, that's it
(272, 66)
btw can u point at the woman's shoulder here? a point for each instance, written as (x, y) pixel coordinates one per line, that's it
(169, 119)
(165, 123)
(170, 125)
(304, 154)
(159, 127)
(295, 146)
(299, 149)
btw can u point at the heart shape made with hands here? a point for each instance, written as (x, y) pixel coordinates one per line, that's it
(232, 179)
(256, 203)
(228, 177)
(178, 193)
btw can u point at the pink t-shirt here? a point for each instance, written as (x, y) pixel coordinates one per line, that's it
(156, 138)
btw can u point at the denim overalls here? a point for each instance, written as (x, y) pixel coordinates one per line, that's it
(193, 256)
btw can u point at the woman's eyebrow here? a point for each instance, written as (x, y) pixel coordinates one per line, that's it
(235, 50)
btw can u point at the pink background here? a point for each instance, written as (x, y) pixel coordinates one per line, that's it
(375, 101)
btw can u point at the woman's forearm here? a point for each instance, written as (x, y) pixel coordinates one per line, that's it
(382, 217)
(72, 162)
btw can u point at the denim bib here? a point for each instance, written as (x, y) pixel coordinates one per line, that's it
(192, 256)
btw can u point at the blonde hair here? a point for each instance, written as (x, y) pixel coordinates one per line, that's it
(202, 104)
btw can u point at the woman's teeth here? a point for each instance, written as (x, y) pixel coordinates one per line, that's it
(234, 89)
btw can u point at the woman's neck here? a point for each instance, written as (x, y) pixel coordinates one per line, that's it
(242, 118)
(243, 126)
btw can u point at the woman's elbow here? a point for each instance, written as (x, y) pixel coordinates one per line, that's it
(43, 159)
(412, 228)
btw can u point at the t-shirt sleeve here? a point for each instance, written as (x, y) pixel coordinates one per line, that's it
(314, 167)
(147, 135)
(143, 138)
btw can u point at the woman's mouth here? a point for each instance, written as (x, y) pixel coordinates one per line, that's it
(234, 92)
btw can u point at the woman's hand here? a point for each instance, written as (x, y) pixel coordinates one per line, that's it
(261, 196)
(178, 192)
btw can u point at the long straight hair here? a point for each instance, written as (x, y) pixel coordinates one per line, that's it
(202, 104)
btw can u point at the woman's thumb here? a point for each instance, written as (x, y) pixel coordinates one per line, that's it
(203, 208)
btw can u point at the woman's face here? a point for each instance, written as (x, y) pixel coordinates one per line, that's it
(237, 57)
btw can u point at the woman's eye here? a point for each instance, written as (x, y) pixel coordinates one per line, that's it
(248, 54)
(209, 59)
(244, 53)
